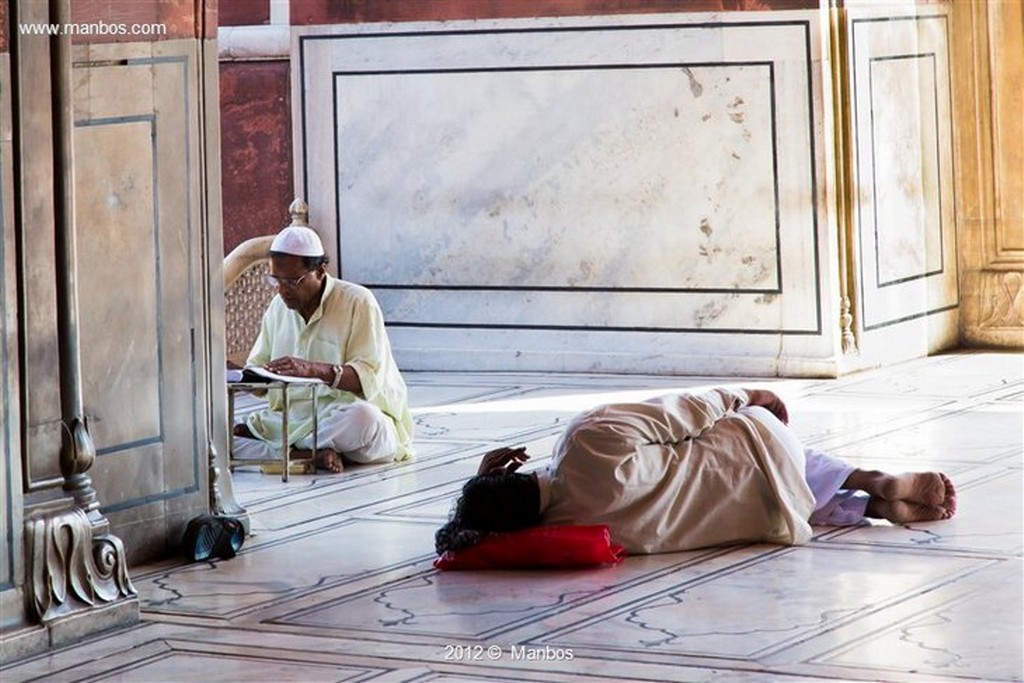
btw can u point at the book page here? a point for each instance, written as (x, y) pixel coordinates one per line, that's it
(254, 373)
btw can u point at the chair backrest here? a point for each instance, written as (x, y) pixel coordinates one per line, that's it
(246, 293)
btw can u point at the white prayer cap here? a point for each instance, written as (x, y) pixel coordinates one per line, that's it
(298, 241)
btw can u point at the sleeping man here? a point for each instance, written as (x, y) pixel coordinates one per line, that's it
(688, 471)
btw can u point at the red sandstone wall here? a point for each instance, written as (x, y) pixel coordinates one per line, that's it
(178, 19)
(256, 149)
(4, 42)
(181, 19)
(305, 12)
(243, 12)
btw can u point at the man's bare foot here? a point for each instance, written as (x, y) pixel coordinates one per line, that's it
(949, 502)
(905, 512)
(330, 460)
(241, 429)
(924, 488)
(326, 458)
(913, 497)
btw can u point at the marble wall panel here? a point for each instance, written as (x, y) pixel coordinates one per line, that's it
(119, 278)
(139, 238)
(10, 448)
(581, 178)
(903, 157)
(36, 259)
(177, 99)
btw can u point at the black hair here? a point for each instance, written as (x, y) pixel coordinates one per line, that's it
(490, 502)
(308, 262)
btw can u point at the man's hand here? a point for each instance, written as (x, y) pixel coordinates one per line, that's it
(768, 399)
(298, 367)
(503, 460)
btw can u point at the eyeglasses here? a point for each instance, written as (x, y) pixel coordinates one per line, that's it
(288, 282)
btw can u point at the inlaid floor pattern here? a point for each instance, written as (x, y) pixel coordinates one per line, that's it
(337, 583)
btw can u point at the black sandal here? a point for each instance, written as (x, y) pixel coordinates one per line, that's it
(209, 536)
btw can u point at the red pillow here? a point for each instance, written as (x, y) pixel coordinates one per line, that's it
(538, 547)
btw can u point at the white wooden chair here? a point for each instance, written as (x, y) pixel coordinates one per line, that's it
(246, 296)
(246, 293)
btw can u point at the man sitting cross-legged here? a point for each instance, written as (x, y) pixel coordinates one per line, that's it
(321, 327)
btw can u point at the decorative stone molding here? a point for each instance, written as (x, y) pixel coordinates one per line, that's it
(237, 43)
(76, 458)
(846, 325)
(69, 569)
(1002, 300)
(218, 495)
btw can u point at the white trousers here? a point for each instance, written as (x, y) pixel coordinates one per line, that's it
(825, 474)
(359, 431)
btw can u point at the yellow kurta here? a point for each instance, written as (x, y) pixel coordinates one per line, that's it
(347, 328)
(676, 473)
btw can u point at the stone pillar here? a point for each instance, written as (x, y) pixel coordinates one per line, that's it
(112, 398)
(989, 60)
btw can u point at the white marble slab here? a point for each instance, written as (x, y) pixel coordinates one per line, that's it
(830, 419)
(950, 377)
(196, 661)
(903, 164)
(302, 563)
(944, 437)
(780, 607)
(963, 631)
(617, 182)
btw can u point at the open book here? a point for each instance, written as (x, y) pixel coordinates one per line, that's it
(254, 373)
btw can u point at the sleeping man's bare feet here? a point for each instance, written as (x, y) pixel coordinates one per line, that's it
(906, 498)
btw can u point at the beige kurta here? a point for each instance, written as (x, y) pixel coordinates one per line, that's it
(676, 473)
(347, 328)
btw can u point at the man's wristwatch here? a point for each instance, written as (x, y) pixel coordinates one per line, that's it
(338, 371)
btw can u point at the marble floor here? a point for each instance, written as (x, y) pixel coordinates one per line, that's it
(337, 584)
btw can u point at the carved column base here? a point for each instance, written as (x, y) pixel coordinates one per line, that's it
(993, 309)
(71, 572)
(222, 497)
(1002, 300)
(846, 328)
